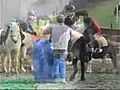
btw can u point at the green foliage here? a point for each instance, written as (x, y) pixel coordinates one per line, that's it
(17, 82)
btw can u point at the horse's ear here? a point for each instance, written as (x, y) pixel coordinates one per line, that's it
(9, 26)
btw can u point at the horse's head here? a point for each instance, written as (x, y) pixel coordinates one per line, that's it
(14, 31)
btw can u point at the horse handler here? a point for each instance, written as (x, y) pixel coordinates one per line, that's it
(60, 35)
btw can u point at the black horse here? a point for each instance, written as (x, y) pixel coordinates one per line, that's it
(82, 50)
(79, 49)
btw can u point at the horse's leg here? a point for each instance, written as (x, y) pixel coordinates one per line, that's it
(89, 69)
(17, 67)
(82, 69)
(9, 62)
(83, 57)
(113, 59)
(31, 64)
(22, 65)
(103, 64)
(23, 58)
(13, 54)
(5, 63)
(29, 59)
(75, 68)
(2, 63)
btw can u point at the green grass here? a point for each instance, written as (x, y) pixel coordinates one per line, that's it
(104, 13)
(17, 82)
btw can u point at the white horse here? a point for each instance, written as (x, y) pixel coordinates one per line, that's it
(12, 47)
(2, 51)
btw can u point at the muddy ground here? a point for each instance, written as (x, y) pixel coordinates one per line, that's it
(93, 81)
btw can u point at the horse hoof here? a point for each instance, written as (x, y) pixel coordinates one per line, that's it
(72, 77)
(82, 79)
(114, 71)
(3, 71)
(17, 72)
(6, 70)
(23, 69)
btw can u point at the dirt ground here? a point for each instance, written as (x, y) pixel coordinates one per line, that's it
(93, 81)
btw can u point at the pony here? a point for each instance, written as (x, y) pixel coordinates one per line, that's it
(85, 54)
(26, 52)
(12, 44)
(28, 40)
(82, 48)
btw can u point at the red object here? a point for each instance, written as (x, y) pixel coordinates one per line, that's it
(95, 27)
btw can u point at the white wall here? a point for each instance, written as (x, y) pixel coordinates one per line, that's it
(18, 8)
(13, 8)
(0, 13)
(49, 6)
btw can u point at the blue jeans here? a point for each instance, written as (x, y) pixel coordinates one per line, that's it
(60, 65)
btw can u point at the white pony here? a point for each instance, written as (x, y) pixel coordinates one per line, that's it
(12, 47)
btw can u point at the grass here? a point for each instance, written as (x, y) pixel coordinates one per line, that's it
(104, 13)
(17, 82)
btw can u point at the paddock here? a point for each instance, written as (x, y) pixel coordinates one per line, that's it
(93, 81)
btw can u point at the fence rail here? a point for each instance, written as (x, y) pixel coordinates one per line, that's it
(110, 31)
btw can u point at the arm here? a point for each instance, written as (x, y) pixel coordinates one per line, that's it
(95, 26)
(76, 35)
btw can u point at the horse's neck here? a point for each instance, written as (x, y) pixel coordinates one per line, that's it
(80, 27)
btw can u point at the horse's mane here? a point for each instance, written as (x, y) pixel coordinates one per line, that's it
(80, 13)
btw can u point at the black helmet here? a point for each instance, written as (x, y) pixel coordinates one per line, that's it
(70, 8)
(60, 18)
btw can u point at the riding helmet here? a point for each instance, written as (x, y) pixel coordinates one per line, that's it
(70, 8)
(60, 18)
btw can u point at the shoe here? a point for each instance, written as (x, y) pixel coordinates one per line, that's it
(61, 80)
(64, 81)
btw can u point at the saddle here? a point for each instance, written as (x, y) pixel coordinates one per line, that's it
(99, 51)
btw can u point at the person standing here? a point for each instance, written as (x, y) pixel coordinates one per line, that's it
(92, 25)
(60, 35)
(70, 18)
